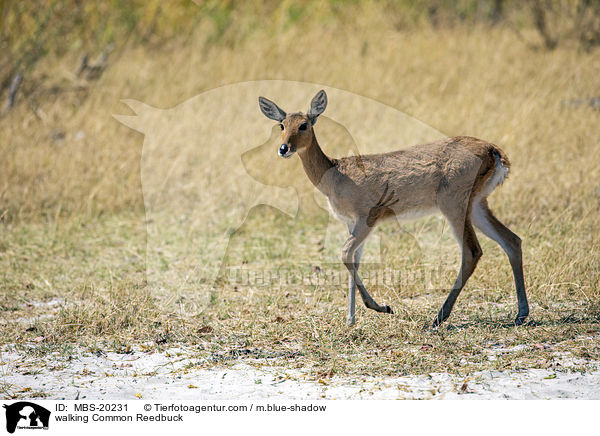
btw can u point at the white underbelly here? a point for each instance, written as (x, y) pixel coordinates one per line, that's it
(339, 214)
(416, 213)
(401, 215)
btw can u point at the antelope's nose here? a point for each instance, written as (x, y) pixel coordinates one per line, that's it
(283, 150)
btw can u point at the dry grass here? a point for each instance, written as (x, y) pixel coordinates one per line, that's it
(73, 216)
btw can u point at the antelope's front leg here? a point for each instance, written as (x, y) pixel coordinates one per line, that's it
(351, 318)
(351, 261)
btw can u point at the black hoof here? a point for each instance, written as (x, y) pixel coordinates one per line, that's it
(389, 310)
(437, 321)
(520, 320)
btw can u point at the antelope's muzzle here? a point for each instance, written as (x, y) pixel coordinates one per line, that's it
(286, 151)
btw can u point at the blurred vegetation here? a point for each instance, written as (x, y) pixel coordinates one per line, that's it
(30, 30)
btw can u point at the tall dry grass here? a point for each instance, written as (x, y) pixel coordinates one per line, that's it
(62, 151)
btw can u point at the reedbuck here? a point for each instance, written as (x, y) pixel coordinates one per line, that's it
(452, 176)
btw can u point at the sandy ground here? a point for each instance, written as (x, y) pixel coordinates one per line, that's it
(175, 374)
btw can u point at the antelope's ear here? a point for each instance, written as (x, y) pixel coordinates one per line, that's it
(271, 110)
(317, 106)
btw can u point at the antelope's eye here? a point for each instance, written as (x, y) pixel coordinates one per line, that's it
(303, 126)
(281, 125)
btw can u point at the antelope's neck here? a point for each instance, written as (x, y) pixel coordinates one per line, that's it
(318, 167)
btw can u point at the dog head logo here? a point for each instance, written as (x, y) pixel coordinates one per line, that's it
(211, 161)
(26, 415)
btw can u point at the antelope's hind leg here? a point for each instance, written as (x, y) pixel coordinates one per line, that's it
(484, 220)
(470, 254)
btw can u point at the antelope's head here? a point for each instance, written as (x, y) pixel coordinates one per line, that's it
(297, 128)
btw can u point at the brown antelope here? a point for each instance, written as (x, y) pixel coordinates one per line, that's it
(453, 176)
